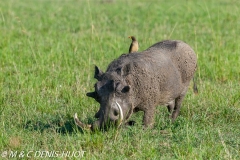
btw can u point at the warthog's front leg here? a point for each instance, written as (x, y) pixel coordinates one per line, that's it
(148, 118)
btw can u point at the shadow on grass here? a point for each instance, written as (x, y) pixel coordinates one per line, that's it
(62, 124)
(54, 124)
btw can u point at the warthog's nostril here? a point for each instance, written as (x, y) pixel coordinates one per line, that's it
(115, 112)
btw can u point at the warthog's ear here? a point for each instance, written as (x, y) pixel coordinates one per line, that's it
(98, 73)
(125, 70)
(93, 95)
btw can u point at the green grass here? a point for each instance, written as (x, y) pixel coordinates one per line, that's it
(48, 50)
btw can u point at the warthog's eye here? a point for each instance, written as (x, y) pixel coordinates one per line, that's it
(121, 89)
(117, 86)
(126, 89)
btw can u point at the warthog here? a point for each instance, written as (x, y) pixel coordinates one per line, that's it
(140, 81)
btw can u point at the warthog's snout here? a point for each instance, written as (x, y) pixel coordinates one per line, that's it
(116, 113)
(116, 116)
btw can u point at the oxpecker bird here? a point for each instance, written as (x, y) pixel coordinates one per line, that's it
(134, 45)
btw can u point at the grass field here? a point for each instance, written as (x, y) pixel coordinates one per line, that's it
(48, 50)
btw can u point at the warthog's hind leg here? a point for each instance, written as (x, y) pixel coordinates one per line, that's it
(176, 110)
(171, 106)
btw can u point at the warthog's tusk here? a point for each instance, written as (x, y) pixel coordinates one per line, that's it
(80, 124)
(121, 113)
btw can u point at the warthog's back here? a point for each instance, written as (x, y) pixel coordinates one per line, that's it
(160, 73)
(161, 56)
(181, 54)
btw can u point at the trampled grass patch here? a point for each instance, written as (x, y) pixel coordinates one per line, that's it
(48, 50)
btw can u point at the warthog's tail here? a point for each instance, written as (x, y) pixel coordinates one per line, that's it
(195, 89)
